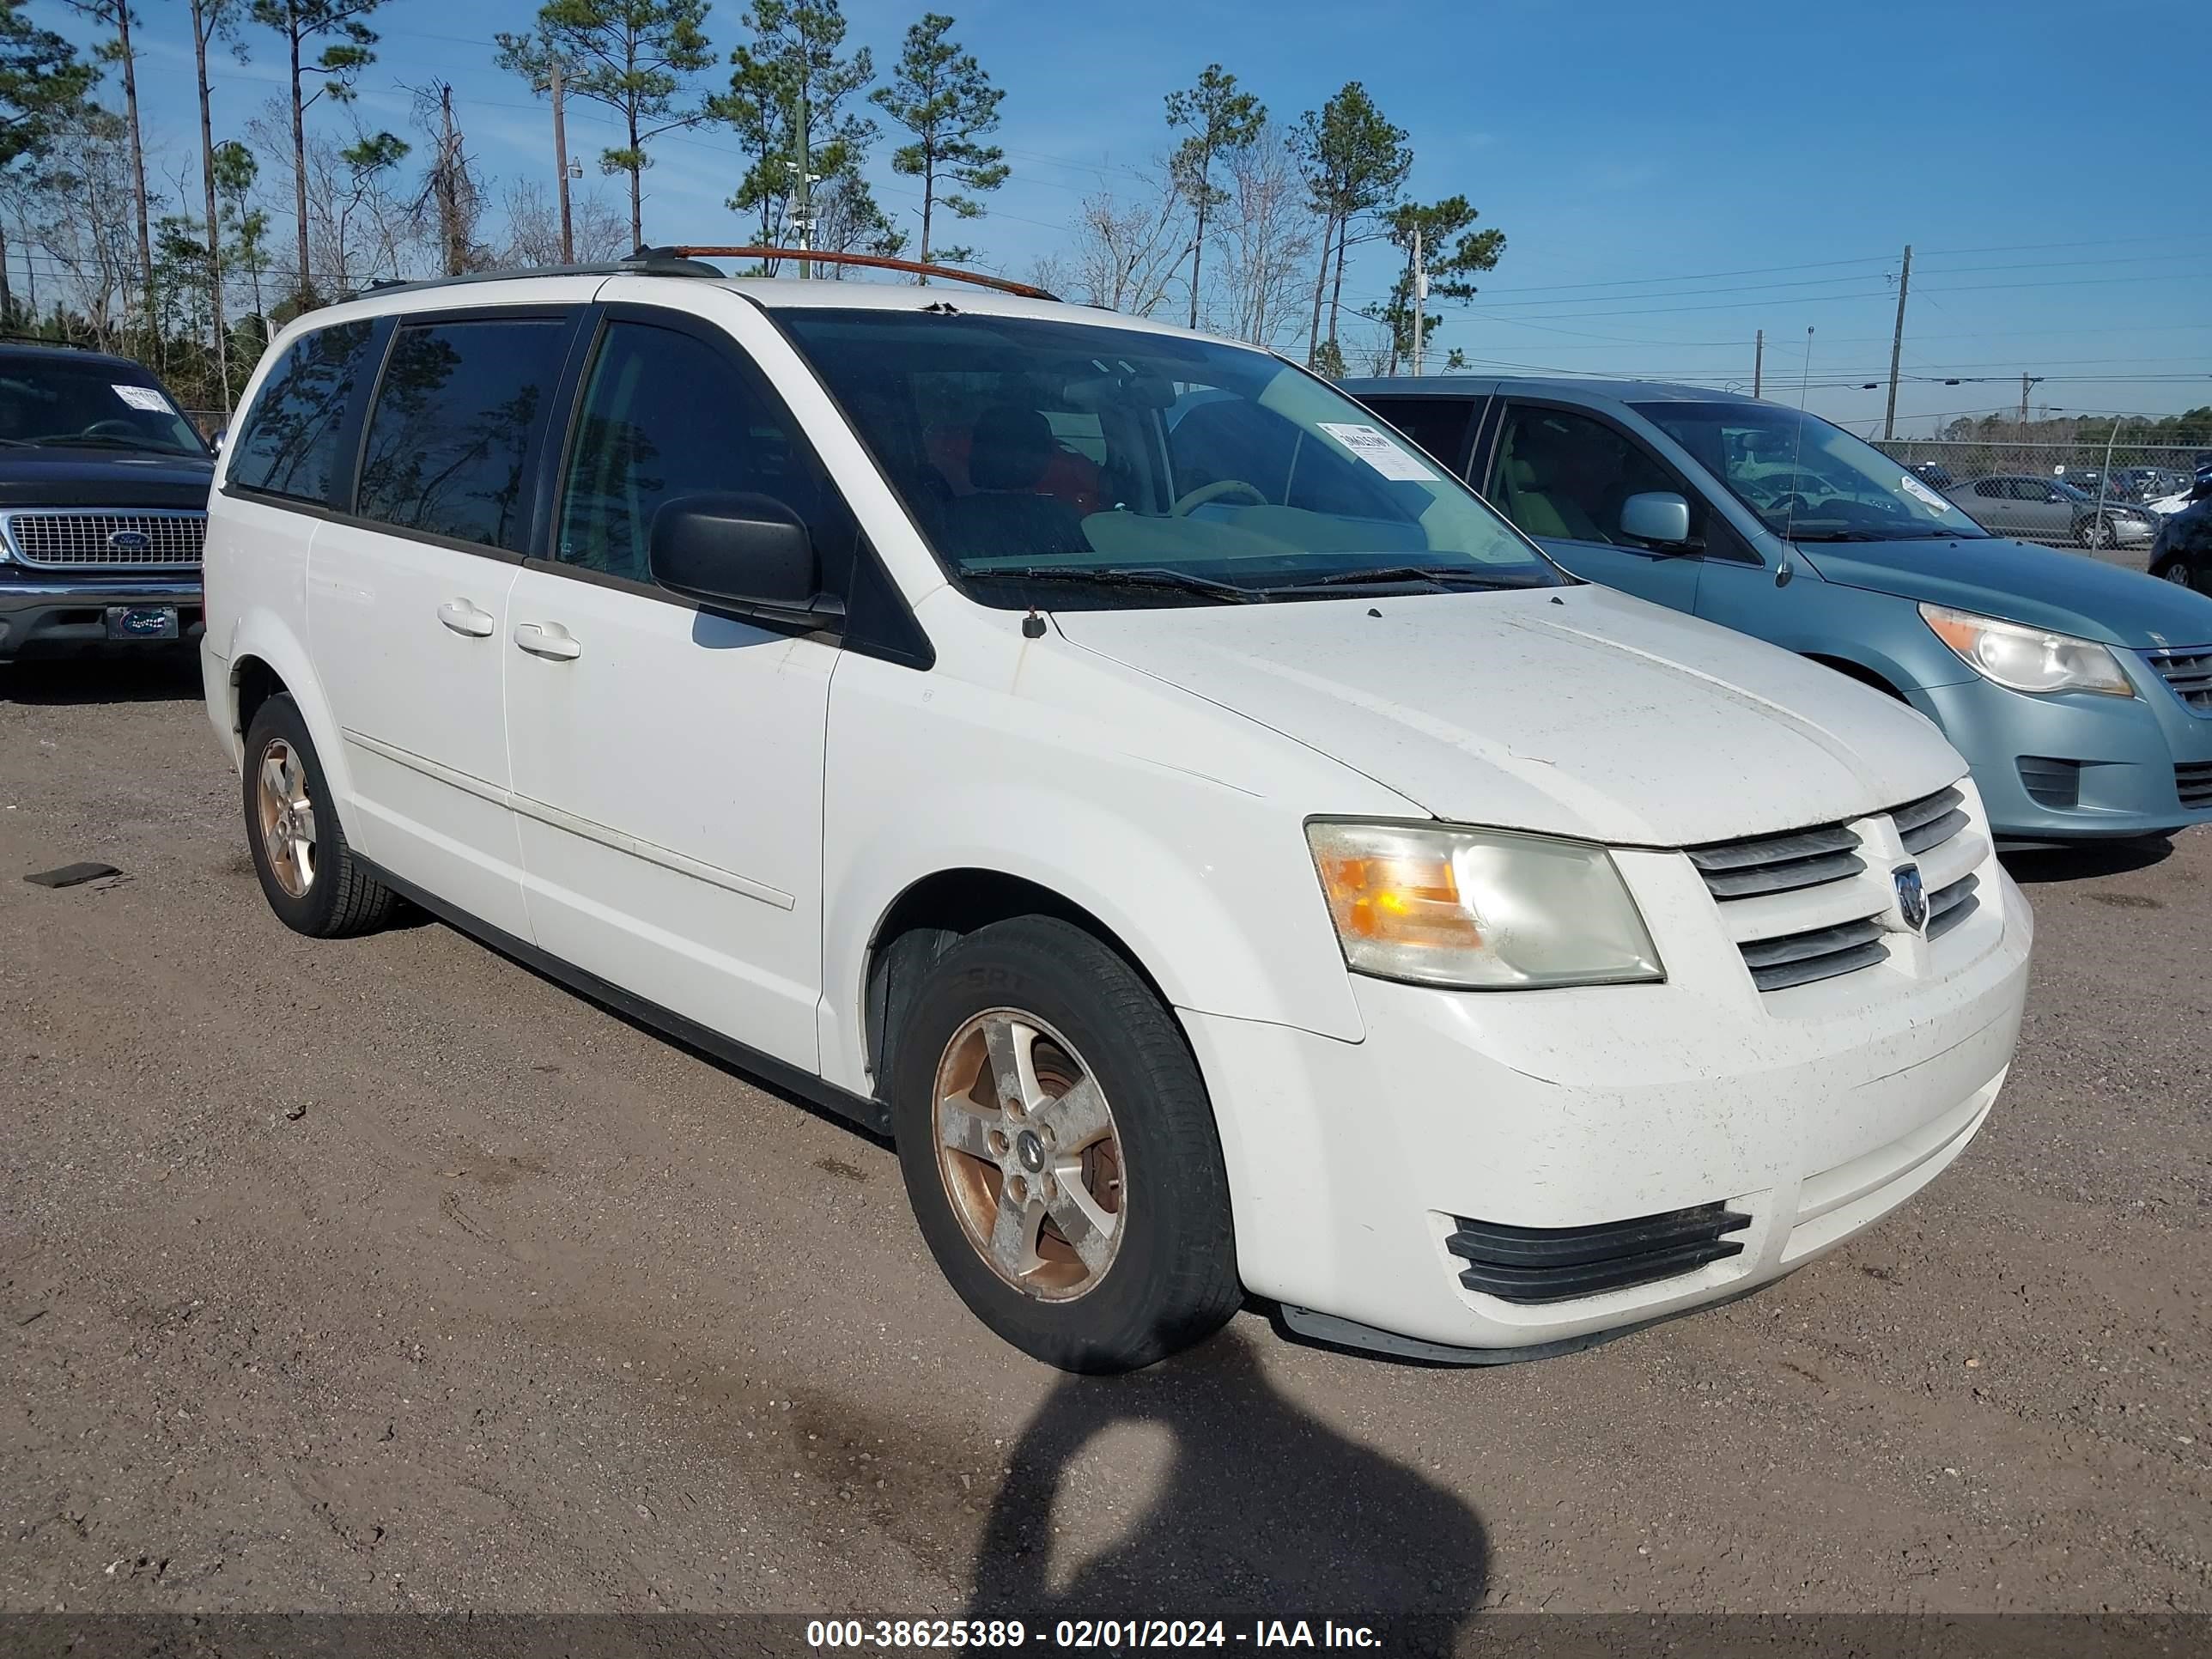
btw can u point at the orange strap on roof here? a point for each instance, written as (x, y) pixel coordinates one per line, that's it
(872, 261)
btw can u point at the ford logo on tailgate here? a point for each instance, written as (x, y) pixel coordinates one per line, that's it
(129, 541)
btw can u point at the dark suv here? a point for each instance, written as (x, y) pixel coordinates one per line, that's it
(103, 505)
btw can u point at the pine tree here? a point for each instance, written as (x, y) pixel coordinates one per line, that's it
(1354, 160)
(942, 95)
(346, 51)
(634, 56)
(1216, 118)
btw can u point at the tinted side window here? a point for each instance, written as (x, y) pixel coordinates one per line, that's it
(288, 445)
(455, 421)
(1565, 475)
(666, 415)
(1991, 489)
(1438, 424)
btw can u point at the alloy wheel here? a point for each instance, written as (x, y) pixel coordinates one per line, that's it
(1030, 1155)
(286, 817)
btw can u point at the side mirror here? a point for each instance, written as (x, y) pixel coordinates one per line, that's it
(1658, 516)
(743, 550)
(222, 437)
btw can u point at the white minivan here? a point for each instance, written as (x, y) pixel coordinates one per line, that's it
(1224, 856)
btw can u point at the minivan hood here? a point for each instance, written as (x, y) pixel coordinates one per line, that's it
(102, 477)
(2019, 581)
(1575, 711)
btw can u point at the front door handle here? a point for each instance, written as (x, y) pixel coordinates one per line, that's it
(464, 618)
(548, 640)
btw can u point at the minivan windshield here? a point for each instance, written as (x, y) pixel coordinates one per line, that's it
(1807, 479)
(1129, 468)
(52, 403)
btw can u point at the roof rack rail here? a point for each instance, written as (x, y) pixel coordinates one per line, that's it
(868, 261)
(650, 262)
(41, 340)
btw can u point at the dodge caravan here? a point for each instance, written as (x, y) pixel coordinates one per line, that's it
(1224, 856)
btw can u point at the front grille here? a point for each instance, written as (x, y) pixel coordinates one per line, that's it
(1778, 863)
(2190, 673)
(1803, 906)
(1817, 953)
(1930, 821)
(2193, 780)
(1949, 906)
(2053, 783)
(1552, 1264)
(74, 539)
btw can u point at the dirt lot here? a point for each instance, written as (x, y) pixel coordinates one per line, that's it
(386, 1275)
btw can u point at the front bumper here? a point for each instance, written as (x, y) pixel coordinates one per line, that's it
(2096, 766)
(61, 612)
(1815, 1111)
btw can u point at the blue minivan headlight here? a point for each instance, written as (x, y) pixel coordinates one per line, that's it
(2023, 658)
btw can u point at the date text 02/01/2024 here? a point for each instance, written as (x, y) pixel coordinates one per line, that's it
(896, 1634)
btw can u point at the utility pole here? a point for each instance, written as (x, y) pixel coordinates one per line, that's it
(1757, 362)
(806, 185)
(561, 164)
(1420, 295)
(2026, 381)
(1897, 344)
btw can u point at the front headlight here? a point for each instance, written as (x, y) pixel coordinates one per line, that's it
(2027, 658)
(1481, 909)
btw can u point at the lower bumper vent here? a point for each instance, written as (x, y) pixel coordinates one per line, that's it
(2193, 780)
(1553, 1264)
(2053, 783)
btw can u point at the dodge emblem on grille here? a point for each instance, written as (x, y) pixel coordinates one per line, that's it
(130, 541)
(1912, 897)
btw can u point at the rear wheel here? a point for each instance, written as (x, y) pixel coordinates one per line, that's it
(2177, 572)
(308, 873)
(1060, 1150)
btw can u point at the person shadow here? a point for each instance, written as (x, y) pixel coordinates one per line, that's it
(1264, 1513)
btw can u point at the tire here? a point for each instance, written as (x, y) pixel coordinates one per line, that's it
(1160, 1273)
(2096, 533)
(308, 872)
(2177, 572)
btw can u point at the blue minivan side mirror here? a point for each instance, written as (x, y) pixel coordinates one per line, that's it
(1658, 516)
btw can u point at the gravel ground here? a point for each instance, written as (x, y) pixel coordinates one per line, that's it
(386, 1276)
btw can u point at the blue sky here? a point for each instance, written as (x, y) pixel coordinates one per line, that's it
(1669, 179)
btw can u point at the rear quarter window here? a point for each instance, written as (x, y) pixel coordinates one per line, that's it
(288, 444)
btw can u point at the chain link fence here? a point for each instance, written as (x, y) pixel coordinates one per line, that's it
(1999, 485)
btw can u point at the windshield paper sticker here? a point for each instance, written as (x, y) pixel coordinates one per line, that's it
(142, 397)
(1928, 498)
(1377, 448)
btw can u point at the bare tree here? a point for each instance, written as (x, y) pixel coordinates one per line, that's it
(599, 229)
(116, 15)
(1268, 232)
(359, 228)
(1128, 253)
(449, 189)
(82, 215)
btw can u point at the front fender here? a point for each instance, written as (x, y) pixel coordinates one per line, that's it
(1208, 883)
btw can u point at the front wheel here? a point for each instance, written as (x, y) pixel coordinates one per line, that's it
(1060, 1150)
(2097, 533)
(2177, 572)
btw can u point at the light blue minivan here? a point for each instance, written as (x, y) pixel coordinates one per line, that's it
(2080, 692)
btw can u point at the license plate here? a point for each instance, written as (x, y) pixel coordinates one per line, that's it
(141, 622)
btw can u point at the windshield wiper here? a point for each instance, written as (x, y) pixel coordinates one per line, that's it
(1390, 574)
(1177, 581)
(109, 437)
